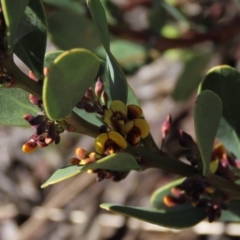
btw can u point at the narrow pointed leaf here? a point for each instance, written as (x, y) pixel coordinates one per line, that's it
(159, 194)
(13, 12)
(225, 82)
(118, 83)
(99, 18)
(207, 115)
(70, 75)
(14, 104)
(117, 79)
(62, 174)
(116, 162)
(178, 218)
(31, 33)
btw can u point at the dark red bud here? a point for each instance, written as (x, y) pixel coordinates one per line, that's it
(41, 128)
(37, 120)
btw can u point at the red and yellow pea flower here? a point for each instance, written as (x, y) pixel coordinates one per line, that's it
(109, 143)
(135, 130)
(118, 114)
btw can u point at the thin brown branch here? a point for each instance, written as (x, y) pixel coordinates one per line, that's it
(218, 35)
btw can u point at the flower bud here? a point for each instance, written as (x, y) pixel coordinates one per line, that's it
(37, 120)
(90, 94)
(74, 161)
(51, 133)
(28, 117)
(33, 99)
(32, 76)
(41, 128)
(81, 153)
(57, 139)
(29, 147)
(166, 126)
(98, 87)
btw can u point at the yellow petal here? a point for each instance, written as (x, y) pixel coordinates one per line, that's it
(133, 111)
(143, 127)
(118, 139)
(127, 127)
(100, 142)
(118, 106)
(108, 113)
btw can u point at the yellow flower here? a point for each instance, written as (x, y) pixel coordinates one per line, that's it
(136, 129)
(109, 142)
(118, 114)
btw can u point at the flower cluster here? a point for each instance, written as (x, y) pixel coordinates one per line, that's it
(127, 121)
(199, 193)
(46, 130)
(123, 125)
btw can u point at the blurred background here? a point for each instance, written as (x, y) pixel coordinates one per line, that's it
(164, 48)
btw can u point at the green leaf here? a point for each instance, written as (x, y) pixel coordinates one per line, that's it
(100, 22)
(207, 115)
(70, 75)
(50, 57)
(232, 214)
(129, 55)
(62, 174)
(118, 83)
(190, 76)
(121, 162)
(71, 30)
(158, 195)
(181, 217)
(132, 98)
(116, 162)
(90, 117)
(76, 6)
(31, 33)
(13, 12)
(225, 82)
(14, 105)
